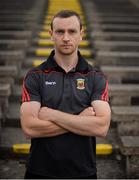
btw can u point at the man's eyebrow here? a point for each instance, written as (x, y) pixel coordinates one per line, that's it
(70, 29)
(60, 29)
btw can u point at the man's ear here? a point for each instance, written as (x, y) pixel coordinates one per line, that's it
(51, 33)
(82, 34)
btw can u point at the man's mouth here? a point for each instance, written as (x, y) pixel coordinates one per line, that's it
(66, 45)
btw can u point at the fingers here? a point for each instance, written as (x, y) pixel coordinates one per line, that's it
(88, 112)
(91, 111)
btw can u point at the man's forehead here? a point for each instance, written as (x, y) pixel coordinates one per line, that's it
(69, 21)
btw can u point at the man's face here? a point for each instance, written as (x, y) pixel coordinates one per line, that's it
(66, 34)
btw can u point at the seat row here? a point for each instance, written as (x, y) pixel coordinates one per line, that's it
(18, 20)
(114, 27)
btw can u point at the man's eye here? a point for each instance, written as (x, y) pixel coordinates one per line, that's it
(72, 32)
(59, 32)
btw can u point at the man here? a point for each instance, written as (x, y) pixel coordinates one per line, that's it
(64, 107)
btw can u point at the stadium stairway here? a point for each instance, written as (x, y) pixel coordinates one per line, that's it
(114, 27)
(18, 20)
(107, 44)
(39, 50)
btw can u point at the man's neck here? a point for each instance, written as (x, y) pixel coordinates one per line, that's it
(66, 62)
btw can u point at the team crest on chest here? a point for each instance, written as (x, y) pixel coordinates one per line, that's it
(80, 83)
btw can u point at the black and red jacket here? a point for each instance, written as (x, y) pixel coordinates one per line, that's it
(68, 155)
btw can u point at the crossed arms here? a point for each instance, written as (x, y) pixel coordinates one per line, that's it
(47, 122)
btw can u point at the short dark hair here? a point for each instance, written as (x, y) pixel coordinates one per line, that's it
(66, 14)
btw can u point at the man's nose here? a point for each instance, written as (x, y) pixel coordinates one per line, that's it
(66, 37)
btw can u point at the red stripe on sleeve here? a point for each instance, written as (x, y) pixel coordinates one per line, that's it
(25, 94)
(104, 96)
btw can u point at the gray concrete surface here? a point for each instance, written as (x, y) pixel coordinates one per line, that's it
(107, 169)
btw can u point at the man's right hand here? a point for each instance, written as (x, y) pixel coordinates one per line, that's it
(88, 112)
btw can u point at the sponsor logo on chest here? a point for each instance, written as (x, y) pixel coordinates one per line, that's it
(50, 83)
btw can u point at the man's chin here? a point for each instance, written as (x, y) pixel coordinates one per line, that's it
(67, 52)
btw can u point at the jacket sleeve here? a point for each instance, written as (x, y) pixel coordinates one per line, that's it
(100, 88)
(31, 88)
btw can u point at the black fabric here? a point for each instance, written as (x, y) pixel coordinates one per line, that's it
(29, 175)
(68, 155)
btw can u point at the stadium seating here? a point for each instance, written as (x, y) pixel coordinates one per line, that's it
(114, 27)
(111, 43)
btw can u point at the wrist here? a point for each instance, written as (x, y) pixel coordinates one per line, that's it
(54, 115)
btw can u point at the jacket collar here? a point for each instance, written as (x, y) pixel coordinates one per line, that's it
(81, 66)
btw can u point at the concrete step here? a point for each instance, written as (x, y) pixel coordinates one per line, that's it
(25, 4)
(11, 17)
(24, 12)
(125, 113)
(9, 137)
(13, 114)
(117, 58)
(16, 93)
(110, 9)
(18, 20)
(112, 45)
(130, 149)
(12, 57)
(127, 118)
(115, 36)
(29, 63)
(107, 168)
(130, 145)
(8, 73)
(107, 14)
(114, 14)
(26, 34)
(11, 54)
(111, 138)
(114, 7)
(115, 28)
(5, 90)
(6, 44)
(115, 20)
(9, 70)
(22, 74)
(12, 135)
(135, 2)
(124, 94)
(17, 27)
(121, 74)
